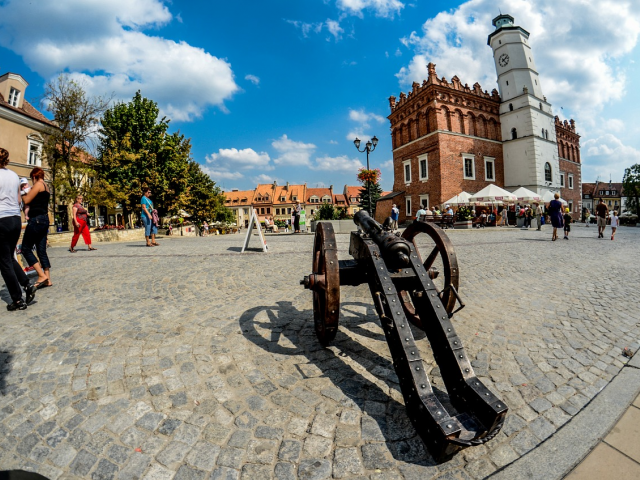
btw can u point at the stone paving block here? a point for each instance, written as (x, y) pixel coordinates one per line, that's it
(173, 453)
(346, 461)
(82, 464)
(158, 472)
(225, 473)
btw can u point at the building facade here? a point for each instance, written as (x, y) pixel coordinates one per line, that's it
(448, 137)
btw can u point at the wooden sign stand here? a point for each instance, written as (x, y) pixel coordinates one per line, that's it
(253, 219)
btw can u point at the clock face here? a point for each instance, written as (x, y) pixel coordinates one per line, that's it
(503, 60)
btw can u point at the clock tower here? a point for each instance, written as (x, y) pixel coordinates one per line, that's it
(527, 121)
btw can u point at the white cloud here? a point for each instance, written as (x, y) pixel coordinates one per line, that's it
(246, 158)
(387, 165)
(253, 79)
(363, 117)
(109, 52)
(382, 8)
(330, 26)
(576, 45)
(217, 175)
(607, 155)
(229, 162)
(337, 164)
(292, 152)
(264, 178)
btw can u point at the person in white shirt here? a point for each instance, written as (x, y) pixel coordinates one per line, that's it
(449, 210)
(420, 213)
(615, 221)
(10, 229)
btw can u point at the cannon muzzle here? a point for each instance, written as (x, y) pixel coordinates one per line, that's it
(395, 250)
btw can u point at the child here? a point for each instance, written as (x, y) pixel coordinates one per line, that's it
(567, 224)
(615, 221)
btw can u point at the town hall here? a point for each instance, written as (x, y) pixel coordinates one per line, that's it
(448, 137)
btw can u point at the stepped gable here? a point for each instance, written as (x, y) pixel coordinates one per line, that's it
(568, 140)
(454, 93)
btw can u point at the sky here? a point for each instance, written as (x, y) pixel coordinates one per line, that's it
(278, 90)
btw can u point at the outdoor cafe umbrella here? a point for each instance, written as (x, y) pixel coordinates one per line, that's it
(460, 199)
(547, 197)
(493, 194)
(527, 196)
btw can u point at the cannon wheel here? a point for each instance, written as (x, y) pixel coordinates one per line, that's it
(442, 247)
(326, 296)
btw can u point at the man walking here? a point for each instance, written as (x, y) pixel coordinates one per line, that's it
(602, 212)
(395, 214)
(539, 213)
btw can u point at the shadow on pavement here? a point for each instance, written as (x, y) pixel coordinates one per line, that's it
(5, 368)
(393, 425)
(20, 475)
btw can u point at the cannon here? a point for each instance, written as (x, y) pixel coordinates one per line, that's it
(407, 289)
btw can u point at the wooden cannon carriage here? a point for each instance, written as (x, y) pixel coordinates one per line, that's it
(403, 288)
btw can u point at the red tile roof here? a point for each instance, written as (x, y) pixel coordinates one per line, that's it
(238, 198)
(27, 110)
(318, 192)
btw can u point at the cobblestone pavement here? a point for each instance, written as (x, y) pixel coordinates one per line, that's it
(191, 361)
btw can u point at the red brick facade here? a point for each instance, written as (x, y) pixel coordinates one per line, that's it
(447, 123)
(570, 166)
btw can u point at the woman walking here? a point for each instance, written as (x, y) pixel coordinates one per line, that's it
(150, 229)
(10, 228)
(37, 228)
(80, 225)
(555, 214)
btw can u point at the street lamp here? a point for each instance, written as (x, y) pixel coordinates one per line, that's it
(370, 146)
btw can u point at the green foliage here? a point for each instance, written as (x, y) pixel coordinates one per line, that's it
(76, 116)
(136, 150)
(631, 188)
(376, 192)
(343, 214)
(280, 223)
(463, 213)
(326, 212)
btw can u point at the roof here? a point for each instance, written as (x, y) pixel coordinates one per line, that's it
(319, 192)
(288, 191)
(238, 198)
(390, 195)
(27, 110)
(385, 193)
(264, 192)
(588, 188)
(604, 186)
(352, 192)
(339, 198)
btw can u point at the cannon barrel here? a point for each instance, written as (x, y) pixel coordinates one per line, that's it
(395, 250)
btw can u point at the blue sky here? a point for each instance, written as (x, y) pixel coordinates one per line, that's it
(277, 90)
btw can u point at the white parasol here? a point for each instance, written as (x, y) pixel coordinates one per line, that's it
(460, 199)
(493, 194)
(547, 197)
(526, 195)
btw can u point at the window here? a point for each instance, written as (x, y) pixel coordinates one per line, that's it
(407, 171)
(514, 133)
(547, 172)
(507, 82)
(570, 181)
(35, 149)
(601, 192)
(77, 179)
(613, 192)
(289, 211)
(606, 192)
(570, 206)
(469, 167)
(546, 134)
(424, 170)
(540, 105)
(262, 211)
(542, 135)
(326, 199)
(277, 211)
(282, 199)
(408, 205)
(246, 211)
(511, 107)
(489, 169)
(14, 97)
(562, 179)
(424, 201)
(268, 210)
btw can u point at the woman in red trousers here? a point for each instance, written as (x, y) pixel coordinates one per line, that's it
(80, 225)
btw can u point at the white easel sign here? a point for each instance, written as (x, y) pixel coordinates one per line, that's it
(253, 220)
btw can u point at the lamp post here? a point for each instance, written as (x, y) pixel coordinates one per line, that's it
(370, 146)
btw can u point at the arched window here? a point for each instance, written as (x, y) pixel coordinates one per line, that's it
(542, 133)
(547, 172)
(546, 134)
(511, 107)
(514, 134)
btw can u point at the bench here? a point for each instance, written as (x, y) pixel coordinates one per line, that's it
(443, 221)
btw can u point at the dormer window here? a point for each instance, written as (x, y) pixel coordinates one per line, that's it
(14, 97)
(282, 199)
(295, 199)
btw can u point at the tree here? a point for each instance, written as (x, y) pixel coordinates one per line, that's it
(326, 212)
(631, 187)
(76, 116)
(136, 150)
(376, 193)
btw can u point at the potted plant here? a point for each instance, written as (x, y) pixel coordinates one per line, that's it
(464, 219)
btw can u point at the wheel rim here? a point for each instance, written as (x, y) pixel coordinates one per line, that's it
(326, 295)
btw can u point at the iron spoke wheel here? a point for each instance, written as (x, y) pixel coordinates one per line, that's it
(326, 297)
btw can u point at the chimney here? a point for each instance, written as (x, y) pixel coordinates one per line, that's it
(331, 189)
(287, 188)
